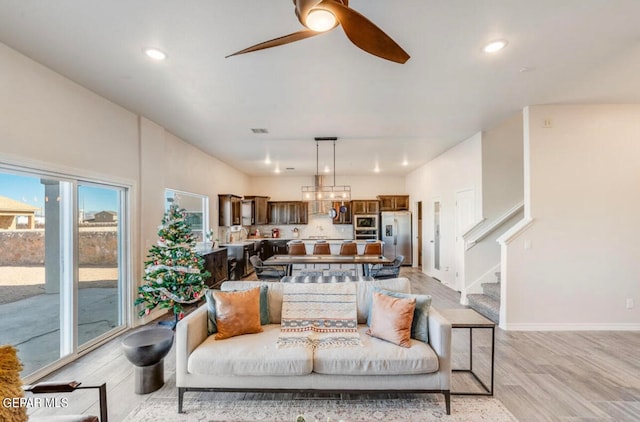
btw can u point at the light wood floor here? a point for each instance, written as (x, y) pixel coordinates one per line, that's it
(539, 376)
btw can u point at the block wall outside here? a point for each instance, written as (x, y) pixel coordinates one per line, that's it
(26, 247)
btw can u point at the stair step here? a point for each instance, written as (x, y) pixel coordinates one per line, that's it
(486, 306)
(492, 290)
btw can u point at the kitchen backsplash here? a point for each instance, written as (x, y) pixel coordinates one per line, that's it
(319, 225)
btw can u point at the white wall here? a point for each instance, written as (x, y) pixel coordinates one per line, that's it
(502, 167)
(288, 188)
(48, 122)
(459, 168)
(584, 182)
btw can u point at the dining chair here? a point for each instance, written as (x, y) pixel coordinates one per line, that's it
(391, 270)
(267, 272)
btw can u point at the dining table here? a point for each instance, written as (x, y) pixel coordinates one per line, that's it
(289, 260)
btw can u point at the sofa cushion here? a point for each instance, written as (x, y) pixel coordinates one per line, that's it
(237, 313)
(250, 355)
(391, 318)
(420, 323)
(376, 357)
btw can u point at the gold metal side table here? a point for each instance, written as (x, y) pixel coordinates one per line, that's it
(470, 319)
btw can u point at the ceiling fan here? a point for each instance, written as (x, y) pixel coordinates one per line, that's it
(320, 16)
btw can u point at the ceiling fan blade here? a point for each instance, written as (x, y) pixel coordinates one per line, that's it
(296, 36)
(364, 33)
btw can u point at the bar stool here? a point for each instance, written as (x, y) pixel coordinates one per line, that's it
(348, 248)
(321, 248)
(373, 248)
(297, 248)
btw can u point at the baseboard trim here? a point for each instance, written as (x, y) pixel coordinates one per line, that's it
(571, 327)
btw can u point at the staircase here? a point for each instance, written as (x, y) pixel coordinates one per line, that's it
(487, 303)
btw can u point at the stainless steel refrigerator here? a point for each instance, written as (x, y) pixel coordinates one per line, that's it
(395, 229)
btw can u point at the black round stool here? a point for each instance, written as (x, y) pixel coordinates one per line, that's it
(146, 349)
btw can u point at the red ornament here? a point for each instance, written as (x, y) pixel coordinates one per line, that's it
(180, 315)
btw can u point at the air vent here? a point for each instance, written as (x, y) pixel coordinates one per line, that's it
(259, 130)
(290, 168)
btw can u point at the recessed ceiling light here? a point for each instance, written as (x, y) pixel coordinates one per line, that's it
(405, 162)
(155, 54)
(495, 46)
(267, 160)
(376, 169)
(277, 170)
(327, 169)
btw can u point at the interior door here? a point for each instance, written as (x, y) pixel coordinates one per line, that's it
(465, 218)
(419, 236)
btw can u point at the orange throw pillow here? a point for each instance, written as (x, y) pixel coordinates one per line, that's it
(237, 313)
(391, 319)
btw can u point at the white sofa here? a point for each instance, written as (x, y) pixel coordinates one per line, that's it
(252, 362)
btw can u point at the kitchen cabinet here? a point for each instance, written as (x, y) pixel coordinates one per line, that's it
(394, 202)
(367, 206)
(288, 212)
(271, 247)
(342, 217)
(230, 210)
(215, 261)
(254, 210)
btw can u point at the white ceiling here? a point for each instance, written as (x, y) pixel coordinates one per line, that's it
(383, 112)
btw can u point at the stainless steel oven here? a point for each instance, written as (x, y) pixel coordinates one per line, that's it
(365, 226)
(365, 222)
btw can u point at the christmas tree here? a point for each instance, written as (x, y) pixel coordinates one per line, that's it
(174, 273)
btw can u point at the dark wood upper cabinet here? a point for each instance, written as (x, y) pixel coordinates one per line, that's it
(394, 202)
(288, 212)
(230, 210)
(367, 206)
(342, 217)
(254, 210)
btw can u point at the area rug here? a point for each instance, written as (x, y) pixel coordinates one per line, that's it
(423, 409)
(319, 316)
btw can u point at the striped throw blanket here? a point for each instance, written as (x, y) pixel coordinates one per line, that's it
(319, 316)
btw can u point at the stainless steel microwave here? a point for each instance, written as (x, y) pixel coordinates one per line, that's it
(365, 221)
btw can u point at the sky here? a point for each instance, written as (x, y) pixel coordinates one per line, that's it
(29, 190)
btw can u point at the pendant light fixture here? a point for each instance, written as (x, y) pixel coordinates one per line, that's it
(319, 192)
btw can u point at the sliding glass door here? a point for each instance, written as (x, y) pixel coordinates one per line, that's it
(62, 272)
(100, 210)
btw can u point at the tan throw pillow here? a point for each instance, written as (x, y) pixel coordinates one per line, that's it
(391, 319)
(237, 313)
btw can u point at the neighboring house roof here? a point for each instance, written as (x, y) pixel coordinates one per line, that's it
(107, 212)
(11, 205)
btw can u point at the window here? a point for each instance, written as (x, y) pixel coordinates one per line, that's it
(63, 276)
(197, 211)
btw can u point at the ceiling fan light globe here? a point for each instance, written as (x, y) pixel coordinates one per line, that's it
(320, 20)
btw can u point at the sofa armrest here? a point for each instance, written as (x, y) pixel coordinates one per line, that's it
(190, 333)
(440, 340)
